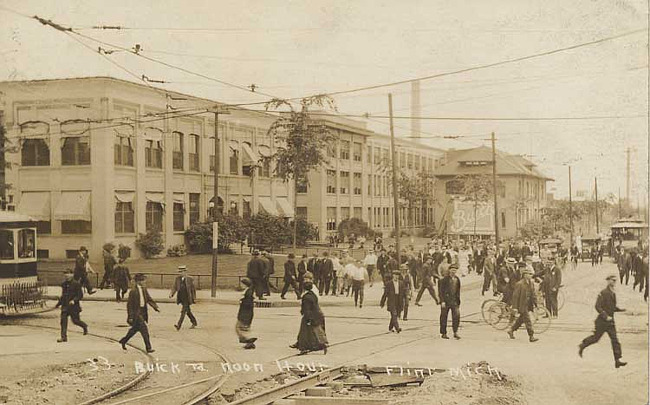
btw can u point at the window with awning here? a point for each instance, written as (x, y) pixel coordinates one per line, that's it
(267, 205)
(124, 213)
(286, 210)
(73, 206)
(35, 205)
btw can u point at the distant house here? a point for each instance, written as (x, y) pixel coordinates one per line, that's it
(521, 192)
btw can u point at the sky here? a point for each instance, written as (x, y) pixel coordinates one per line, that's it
(299, 48)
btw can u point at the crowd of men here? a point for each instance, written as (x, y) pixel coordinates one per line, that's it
(634, 262)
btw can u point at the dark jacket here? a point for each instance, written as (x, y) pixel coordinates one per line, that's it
(326, 267)
(446, 294)
(246, 305)
(310, 310)
(524, 298)
(255, 268)
(290, 271)
(121, 277)
(270, 263)
(133, 309)
(109, 261)
(552, 279)
(71, 294)
(184, 297)
(80, 266)
(606, 304)
(302, 270)
(394, 300)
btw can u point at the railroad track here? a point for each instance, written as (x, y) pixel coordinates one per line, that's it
(132, 391)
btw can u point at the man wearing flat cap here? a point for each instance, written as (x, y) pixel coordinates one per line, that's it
(71, 294)
(137, 315)
(255, 271)
(606, 306)
(450, 301)
(394, 296)
(185, 293)
(523, 301)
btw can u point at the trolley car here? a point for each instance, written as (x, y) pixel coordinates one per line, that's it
(20, 289)
(629, 233)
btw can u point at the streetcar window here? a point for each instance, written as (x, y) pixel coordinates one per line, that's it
(26, 243)
(6, 245)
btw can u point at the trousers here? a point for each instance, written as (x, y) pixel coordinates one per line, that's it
(427, 285)
(139, 325)
(602, 327)
(455, 318)
(292, 283)
(186, 309)
(75, 316)
(357, 291)
(524, 318)
(394, 323)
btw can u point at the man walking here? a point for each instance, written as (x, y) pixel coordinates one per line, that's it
(358, 275)
(551, 287)
(393, 298)
(184, 287)
(523, 301)
(121, 279)
(137, 314)
(109, 264)
(255, 272)
(290, 277)
(71, 294)
(606, 306)
(450, 301)
(245, 315)
(81, 269)
(489, 273)
(370, 261)
(269, 271)
(429, 275)
(408, 288)
(302, 271)
(326, 270)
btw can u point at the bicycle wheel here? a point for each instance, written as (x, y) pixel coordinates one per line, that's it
(499, 315)
(541, 319)
(485, 308)
(561, 297)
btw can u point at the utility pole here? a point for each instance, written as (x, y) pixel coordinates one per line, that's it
(570, 208)
(395, 196)
(627, 178)
(596, 187)
(215, 224)
(619, 203)
(494, 191)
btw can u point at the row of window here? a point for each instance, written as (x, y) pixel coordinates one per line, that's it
(74, 151)
(379, 156)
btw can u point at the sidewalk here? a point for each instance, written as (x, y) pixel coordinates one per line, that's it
(230, 297)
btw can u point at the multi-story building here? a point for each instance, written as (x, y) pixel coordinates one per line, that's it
(101, 159)
(521, 192)
(356, 181)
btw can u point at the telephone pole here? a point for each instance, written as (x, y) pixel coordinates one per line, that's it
(494, 191)
(596, 187)
(395, 196)
(619, 203)
(627, 178)
(570, 208)
(215, 224)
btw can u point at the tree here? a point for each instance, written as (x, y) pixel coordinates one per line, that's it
(355, 226)
(302, 142)
(232, 229)
(478, 188)
(537, 229)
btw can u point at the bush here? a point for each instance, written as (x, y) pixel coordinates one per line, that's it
(232, 229)
(355, 226)
(150, 243)
(176, 251)
(304, 232)
(270, 230)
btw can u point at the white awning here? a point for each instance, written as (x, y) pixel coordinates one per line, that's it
(267, 205)
(249, 152)
(153, 134)
(247, 198)
(179, 198)
(155, 197)
(73, 206)
(36, 205)
(125, 196)
(285, 208)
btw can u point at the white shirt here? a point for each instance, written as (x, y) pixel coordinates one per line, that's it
(143, 303)
(370, 260)
(336, 264)
(358, 273)
(349, 269)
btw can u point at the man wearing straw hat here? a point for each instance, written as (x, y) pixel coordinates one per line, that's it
(184, 287)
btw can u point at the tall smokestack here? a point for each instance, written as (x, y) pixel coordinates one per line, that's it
(416, 108)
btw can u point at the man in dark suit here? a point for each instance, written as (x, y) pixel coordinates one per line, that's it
(523, 301)
(551, 287)
(184, 287)
(137, 315)
(302, 271)
(71, 294)
(81, 269)
(269, 271)
(450, 300)
(429, 276)
(255, 272)
(606, 306)
(394, 296)
(290, 277)
(326, 270)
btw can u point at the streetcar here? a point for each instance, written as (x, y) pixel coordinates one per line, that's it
(20, 289)
(628, 233)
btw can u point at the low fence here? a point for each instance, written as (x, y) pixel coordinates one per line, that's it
(164, 280)
(22, 296)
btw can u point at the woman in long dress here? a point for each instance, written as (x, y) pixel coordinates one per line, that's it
(312, 336)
